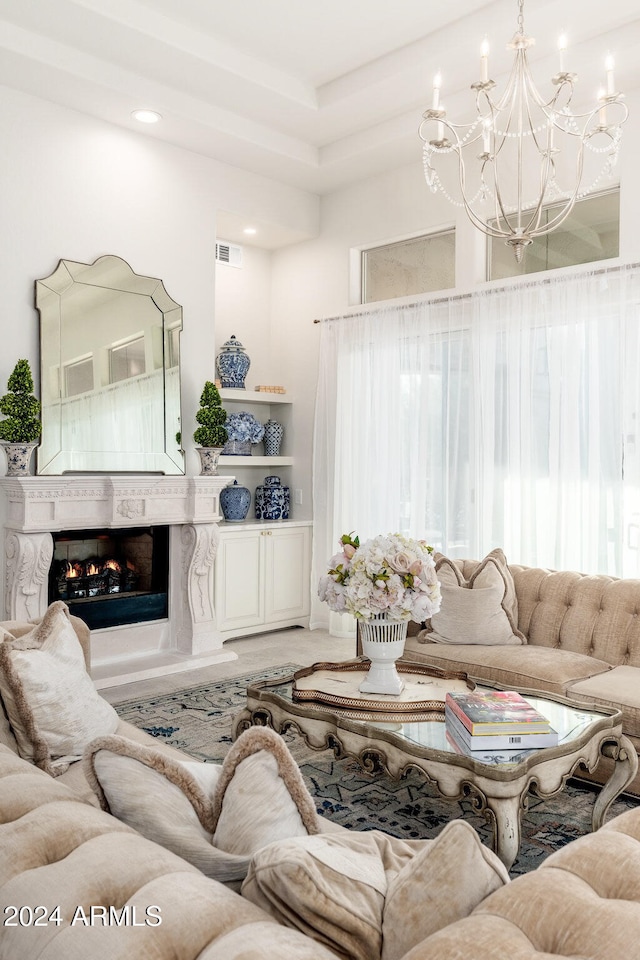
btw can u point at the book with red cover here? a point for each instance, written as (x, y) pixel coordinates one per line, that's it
(496, 712)
(531, 740)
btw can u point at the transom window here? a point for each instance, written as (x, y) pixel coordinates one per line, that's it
(78, 376)
(419, 265)
(591, 232)
(127, 360)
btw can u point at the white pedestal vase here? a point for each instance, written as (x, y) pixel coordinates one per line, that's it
(383, 643)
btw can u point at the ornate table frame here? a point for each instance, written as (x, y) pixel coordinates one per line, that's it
(500, 793)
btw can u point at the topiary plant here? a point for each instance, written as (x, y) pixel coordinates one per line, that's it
(211, 416)
(20, 407)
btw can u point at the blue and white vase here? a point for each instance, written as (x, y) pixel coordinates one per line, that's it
(19, 458)
(235, 501)
(273, 434)
(272, 500)
(233, 363)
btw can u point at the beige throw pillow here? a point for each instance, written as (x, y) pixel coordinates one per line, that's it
(213, 815)
(369, 895)
(482, 610)
(53, 707)
(441, 884)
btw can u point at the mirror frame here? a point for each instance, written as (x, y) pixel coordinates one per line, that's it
(107, 273)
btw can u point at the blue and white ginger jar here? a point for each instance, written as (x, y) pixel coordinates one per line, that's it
(272, 500)
(235, 501)
(233, 363)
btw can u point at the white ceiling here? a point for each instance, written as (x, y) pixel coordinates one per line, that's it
(316, 95)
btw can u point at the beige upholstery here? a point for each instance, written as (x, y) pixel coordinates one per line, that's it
(524, 666)
(57, 850)
(583, 901)
(619, 688)
(583, 642)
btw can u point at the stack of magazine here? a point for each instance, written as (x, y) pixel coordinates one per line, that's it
(495, 720)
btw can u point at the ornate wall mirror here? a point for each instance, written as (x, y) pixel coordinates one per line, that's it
(110, 371)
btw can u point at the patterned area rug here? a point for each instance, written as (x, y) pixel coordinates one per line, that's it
(198, 721)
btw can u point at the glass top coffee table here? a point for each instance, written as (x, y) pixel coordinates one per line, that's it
(497, 783)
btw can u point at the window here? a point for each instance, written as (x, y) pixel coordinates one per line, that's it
(78, 377)
(173, 347)
(408, 267)
(127, 360)
(503, 417)
(591, 232)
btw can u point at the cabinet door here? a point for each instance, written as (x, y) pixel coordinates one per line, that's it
(238, 589)
(287, 570)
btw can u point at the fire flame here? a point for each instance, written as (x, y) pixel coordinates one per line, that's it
(73, 570)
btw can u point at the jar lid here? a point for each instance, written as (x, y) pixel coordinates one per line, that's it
(272, 481)
(233, 346)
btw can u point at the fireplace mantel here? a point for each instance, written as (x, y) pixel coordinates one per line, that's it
(46, 504)
(36, 507)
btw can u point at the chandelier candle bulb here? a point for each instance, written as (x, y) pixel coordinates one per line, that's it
(562, 46)
(484, 61)
(609, 64)
(602, 112)
(437, 83)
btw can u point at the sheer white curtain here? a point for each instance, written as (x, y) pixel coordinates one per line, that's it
(504, 418)
(122, 416)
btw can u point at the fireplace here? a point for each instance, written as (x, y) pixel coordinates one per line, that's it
(187, 509)
(111, 578)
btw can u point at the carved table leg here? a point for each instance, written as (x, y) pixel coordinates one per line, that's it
(506, 811)
(626, 767)
(241, 722)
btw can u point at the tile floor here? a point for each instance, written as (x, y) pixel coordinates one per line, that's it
(295, 645)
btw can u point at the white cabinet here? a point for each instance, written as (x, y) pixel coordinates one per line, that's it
(261, 577)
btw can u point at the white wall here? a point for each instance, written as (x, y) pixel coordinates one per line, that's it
(76, 188)
(243, 308)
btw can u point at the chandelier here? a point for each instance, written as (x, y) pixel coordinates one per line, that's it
(522, 144)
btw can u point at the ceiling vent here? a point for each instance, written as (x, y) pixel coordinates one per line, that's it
(229, 253)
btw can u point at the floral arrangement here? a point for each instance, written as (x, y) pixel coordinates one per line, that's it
(244, 426)
(389, 575)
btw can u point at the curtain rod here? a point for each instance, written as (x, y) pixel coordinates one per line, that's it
(473, 293)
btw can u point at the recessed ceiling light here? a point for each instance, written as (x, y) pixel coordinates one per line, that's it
(146, 116)
(250, 231)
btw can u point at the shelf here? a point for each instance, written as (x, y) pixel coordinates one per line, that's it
(256, 461)
(253, 396)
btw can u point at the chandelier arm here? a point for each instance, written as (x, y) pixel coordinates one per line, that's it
(481, 224)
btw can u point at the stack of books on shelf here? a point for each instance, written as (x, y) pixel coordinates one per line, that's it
(496, 720)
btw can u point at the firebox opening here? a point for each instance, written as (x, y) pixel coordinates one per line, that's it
(111, 578)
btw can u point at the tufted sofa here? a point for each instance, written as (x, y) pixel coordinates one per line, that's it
(59, 851)
(583, 642)
(75, 882)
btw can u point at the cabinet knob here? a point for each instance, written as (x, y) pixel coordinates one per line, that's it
(266, 533)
